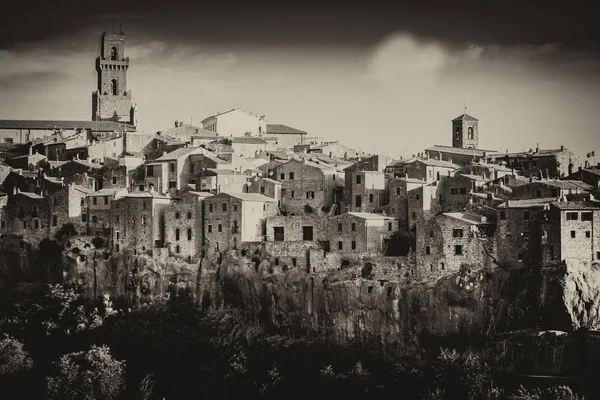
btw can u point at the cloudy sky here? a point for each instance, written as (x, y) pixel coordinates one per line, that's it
(375, 75)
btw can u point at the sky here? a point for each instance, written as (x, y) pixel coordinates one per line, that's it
(379, 76)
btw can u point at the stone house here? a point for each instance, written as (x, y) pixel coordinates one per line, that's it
(138, 222)
(199, 162)
(289, 238)
(452, 240)
(268, 187)
(551, 163)
(28, 216)
(573, 231)
(399, 190)
(286, 136)
(235, 122)
(306, 186)
(366, 191)
(231, 219)
(247, 146)
(184, 226)
(458, 155)
(521, 235)
(455, 191)
(96, 210)
(172, 171)
(428, 169)
(360, 233)
(66, 203)
(221, 180)
(551, 188)
(28, 161)
(590, 175)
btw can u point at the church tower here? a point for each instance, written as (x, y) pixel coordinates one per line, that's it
(112, 101)
(465, 132)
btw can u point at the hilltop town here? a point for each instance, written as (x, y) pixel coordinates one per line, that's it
(239, 182)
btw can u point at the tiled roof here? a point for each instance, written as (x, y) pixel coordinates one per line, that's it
(105, 192)
(222, 171)
(57, 164)
(32, 195)
(527, 203)
(465, 117)
(220, 148)
(530, 153)
(177, 154)
(576, 205)
(567, 184)
(152, 194)
(280, 129)
(248, 140)
(246, 196)
(467, 217)
(87, 164)
(475, 177)
(459, 150)
(217, 114)
(436, 163)
(270, 180)
(370, 216)
(104, 126)
(33, 158)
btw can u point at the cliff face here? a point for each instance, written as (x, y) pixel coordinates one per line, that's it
(348, 306)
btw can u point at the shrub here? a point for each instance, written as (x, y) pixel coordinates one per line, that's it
(551, 393)
(13, 358)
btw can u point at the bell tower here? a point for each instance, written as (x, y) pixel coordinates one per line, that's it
(465, 132)
(112, 101)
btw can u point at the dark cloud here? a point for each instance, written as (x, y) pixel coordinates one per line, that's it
(28, 80)
(312, 23)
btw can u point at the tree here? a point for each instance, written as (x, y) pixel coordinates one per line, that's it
(87, 375)
(399, 244)
(66, 232)
(13, 358)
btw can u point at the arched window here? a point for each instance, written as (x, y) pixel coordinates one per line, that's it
(113, 53)
(470, 133)
(114, 87)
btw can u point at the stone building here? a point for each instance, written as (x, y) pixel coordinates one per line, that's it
(221, 180)
(366, 191)
(399, 190)
(231, 219)
(66, 203)
(28, 161)
(247, 146)
(286, 136)
(520, 236)
(268, 187)
(137, 221)
(96, 210)
(235, 122)
(573, 231)
(187, 133)
(289, 238)
(455, 191)
(550, 163)
(172, 171)
(428, 169)
(306, 187)
(199, 162)
(184, 226)
(551, 188)
(360, 233)
(112, 101)
(590, 175)
(452, 240)
(28, 216)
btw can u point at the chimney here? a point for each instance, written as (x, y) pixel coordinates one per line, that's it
(586, 164)
(18, 190)
(547, 174)
(14, 191)
(164, 153)
(513, 172)
(30, 150)
(449, 159)
(537, 148)
(562, 147)
(530, 178)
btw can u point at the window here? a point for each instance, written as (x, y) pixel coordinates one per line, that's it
(310, 195)
(340, 245)
(54, 220)
(525, 235)
(24, 224)
(210, 207)
(354, 245)
(353, 227)
(526, 215)
(3, 224)
(117, 219)
(224, 207)
(276, 260)
(54, 201)
(572, 216)
(278, 233)
(427, 250)
(307, 233)
(149, 171)
(114, 87)
(262, 190)
(117, 235)
(462, 191)
(83, 217)
(173, 185)
(358, 201)
(502, 214)
(189, 233)
(113, 53)
(143, 220)
(588, 234)
(458, 250)
(291, 176)
(418, 197)
(292, 194)
(94, 200)
(235, 227)
(430, 233)
(177, 249)
(282, 176)
(220, 228)
(189, 215)
(339, 227)
(235, 207)
(573, 234)
(586, 216)
(389, 226)
(114, 180)
(294, 262)
(414, 215)
(94, 219)
(371, 198)
(105, 200)
(172, 167)
(144, 206)
(454, 191)
(176, 234)
(358, 179)
(36, 224)
(209, 228)
(457, 233)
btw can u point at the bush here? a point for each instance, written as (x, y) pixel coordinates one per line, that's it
(13, 358)
(551, 393)
(98, 242)
(92, 374)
